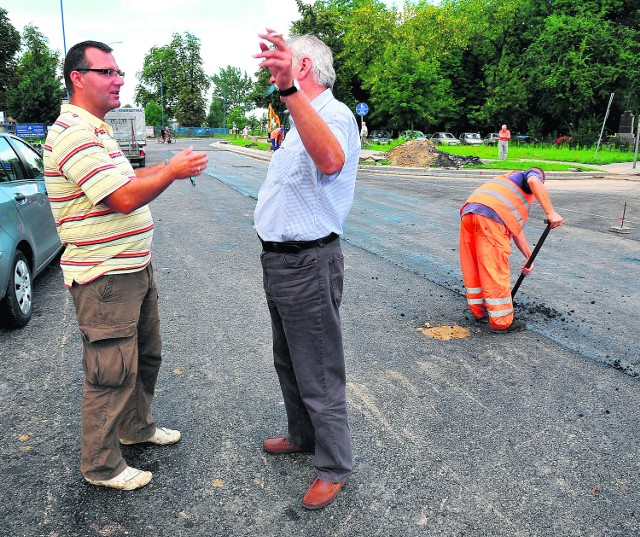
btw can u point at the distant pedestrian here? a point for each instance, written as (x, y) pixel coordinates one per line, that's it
(493, 215)
(280, 137)
(274, 138)
(503, 142)
(364, 132)
(245, 132)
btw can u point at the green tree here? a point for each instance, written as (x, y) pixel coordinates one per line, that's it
(366, 27)
(328, 19)
(9, 47)
(409, 85)
(581, 54)
(216, 117)
(237, 119)
(153, 114)
(173, 76)
(36, 96)
(191, 106)
(233, 88)
(493, 36)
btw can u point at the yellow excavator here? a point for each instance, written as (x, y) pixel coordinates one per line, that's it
(274, 120)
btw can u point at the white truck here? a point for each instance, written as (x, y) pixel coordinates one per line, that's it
(130, 130)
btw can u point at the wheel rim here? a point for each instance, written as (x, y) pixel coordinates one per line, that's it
(22, 281)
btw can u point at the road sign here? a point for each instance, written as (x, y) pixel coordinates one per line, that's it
(362, 109)
(30, 130)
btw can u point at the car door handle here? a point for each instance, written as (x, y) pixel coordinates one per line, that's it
(20, 198)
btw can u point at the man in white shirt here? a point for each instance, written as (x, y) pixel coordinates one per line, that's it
(299, 218)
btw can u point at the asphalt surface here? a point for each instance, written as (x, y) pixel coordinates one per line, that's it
(525, 435)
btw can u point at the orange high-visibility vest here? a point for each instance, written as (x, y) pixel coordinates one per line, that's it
(507, 199)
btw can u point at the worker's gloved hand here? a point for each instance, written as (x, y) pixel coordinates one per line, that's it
(527, 271)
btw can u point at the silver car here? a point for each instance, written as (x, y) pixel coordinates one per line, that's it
(28, 237)
(471, 138)
(412, 135)
(444, 138)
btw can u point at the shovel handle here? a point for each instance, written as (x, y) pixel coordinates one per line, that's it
(532, 257)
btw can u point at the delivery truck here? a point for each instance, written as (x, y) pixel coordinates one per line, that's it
(130, 130)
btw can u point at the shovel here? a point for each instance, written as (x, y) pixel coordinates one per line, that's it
(532, 257)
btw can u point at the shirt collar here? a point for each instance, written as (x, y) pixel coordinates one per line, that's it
(86, 116)
(321, 100)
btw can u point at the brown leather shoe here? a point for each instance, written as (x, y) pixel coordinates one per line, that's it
(321, 493)
(280, 446)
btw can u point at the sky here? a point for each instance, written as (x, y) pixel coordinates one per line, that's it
(228, 30)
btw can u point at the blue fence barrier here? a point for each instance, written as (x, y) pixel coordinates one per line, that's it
(194, 132)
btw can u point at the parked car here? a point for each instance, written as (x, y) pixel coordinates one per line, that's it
(412, 135)
(380, 137)
(470, 138)
(526, 139)
(491, 138)
(444, 138)
(28, 237)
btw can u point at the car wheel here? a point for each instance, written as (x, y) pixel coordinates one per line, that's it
(17, 305)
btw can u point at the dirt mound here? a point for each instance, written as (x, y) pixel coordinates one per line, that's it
(424, 154)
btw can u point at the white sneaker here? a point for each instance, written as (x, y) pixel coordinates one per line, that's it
(162, 437)
(128, 479)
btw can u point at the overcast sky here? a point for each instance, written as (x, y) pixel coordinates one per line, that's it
(227, 29)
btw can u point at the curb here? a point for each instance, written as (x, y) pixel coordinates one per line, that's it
(471, 174)
(443, 172)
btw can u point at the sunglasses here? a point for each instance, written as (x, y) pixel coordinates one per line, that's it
(111, 73)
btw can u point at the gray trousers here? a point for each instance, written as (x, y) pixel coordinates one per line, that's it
(503, 149)
(119, 320)
(304, 292)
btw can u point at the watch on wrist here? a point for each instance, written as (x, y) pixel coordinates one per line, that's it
(289, 91)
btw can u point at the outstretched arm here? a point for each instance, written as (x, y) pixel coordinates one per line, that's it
(151, 182)
(522, 243)
(541, 194)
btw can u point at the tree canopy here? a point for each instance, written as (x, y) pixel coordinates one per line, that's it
(36, 96)
(173, 75)
(9, 47)
(541, 66)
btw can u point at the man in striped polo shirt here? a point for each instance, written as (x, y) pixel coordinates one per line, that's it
(100, 206)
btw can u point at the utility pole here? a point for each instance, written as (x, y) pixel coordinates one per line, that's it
(162, 102)
(603, 123)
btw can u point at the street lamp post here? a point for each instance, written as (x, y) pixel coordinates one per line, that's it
(162, 103)
(64, 39)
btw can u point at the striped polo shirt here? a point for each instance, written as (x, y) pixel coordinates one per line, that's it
(83, 164)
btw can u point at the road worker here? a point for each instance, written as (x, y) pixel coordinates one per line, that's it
(493, 215)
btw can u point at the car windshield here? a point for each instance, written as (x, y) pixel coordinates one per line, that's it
(473, 135)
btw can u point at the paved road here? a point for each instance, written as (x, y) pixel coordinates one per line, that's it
(586, 280)
(485, 435)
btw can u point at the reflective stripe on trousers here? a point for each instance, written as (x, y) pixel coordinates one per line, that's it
(485, 246)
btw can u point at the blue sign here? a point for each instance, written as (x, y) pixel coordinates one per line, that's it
(30, 130)
(362, 109)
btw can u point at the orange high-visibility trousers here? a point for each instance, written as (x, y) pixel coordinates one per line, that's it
(485, 246)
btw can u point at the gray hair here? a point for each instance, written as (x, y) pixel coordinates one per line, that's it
(310, 46)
